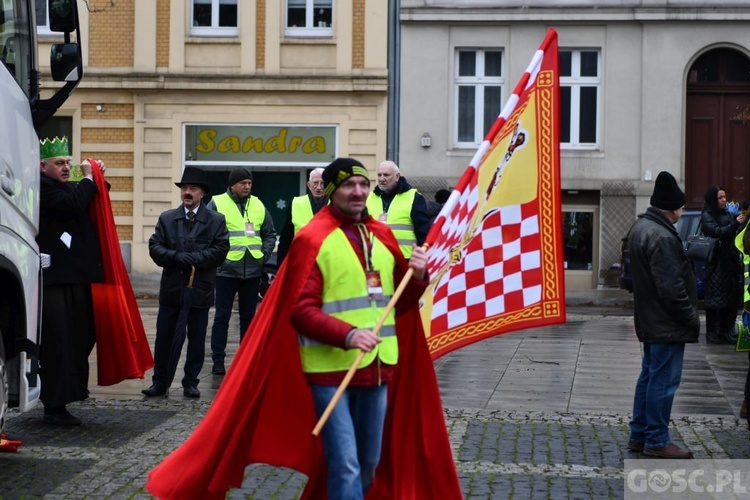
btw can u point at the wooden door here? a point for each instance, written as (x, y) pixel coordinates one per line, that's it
(717, 134)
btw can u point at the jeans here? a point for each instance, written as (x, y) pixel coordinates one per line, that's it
(352, 437)
(166, 322)
(226, 289)
(661, 371)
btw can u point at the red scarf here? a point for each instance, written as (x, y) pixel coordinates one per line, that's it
(122, 350)
(264, 413)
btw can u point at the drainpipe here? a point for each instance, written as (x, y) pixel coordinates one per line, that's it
(394, 75)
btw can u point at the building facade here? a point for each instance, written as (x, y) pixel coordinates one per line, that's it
(285, 86)
(646, 86)
(280, 87)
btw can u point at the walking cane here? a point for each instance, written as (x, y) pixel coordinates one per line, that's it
(348, 378)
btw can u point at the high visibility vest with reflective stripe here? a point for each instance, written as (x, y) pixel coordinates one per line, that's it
(399, 217)
(255, 212)
(745, 263)
(301, 212)
(345, 297)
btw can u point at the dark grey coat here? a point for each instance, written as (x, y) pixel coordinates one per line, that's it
(206, 245)
(664, 290)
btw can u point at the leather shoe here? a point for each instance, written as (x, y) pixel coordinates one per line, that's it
(218, 369)
(669, 451)
(635, 445)
(63, 418)
(191, 392)
(155, 390)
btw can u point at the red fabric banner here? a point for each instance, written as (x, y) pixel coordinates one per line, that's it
(496, 259)
(122, 350)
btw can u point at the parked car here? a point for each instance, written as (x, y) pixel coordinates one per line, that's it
(688, 225)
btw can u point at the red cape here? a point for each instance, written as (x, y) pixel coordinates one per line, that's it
(264, 413)
(122, 350)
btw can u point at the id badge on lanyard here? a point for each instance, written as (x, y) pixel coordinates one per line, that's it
(374, 283)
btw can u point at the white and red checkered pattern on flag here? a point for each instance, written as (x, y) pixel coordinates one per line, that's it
(496, 248)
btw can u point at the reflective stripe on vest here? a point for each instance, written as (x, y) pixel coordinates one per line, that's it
(255, 212)
(301, 212)
(345, 297)
(399, 218)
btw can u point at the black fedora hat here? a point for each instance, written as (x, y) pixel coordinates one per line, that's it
(193, 175)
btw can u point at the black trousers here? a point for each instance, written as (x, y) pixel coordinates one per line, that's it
(68, 337)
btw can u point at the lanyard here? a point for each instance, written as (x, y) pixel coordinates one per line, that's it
(363, 239)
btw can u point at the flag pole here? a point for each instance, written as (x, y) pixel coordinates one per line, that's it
(349, 374)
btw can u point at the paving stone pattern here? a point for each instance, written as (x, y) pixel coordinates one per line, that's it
(534, 414)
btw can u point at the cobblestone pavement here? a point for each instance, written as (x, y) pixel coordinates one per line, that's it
(534, 414)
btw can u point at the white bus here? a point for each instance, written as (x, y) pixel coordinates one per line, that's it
(22, 113)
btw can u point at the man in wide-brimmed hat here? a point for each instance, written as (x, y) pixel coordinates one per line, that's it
(189, 236)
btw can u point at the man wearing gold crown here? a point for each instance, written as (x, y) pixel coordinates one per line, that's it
(67, 234)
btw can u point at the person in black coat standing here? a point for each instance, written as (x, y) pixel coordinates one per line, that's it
(665, 314)
(186, 236)
(722, 297)
(67, 234)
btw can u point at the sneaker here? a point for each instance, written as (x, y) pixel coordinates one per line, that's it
(218, 369)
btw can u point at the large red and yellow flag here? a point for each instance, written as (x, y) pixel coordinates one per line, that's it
(496, 247)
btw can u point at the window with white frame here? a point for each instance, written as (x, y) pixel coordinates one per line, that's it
(580, 93)
(42, 17)
(213, 17)
(479, 91)
(309, 18)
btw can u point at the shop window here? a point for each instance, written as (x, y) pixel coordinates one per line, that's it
(580, 91)
(309, 18)
(213, 17)
(479, 91)
(578, 240)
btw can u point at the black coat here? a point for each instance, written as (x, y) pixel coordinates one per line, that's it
(723, 275)
(64, 218)
(207, 245)
(664, 290)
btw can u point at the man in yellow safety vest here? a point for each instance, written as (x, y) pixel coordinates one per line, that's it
(252, 239)
(403, 208)
(301, 210)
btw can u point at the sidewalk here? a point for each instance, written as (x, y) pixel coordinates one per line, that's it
(539, 413)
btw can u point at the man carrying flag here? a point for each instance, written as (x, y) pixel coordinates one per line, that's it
(341, 269)
(343, 298)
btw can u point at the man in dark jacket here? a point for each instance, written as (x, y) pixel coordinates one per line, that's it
(252, 238)
(67, 234)
(666, 317)
(189, 236)
(403, 208)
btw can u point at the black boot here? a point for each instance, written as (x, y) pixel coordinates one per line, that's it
(712, 327)
(728, 325)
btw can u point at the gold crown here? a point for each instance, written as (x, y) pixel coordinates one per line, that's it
(53, 149)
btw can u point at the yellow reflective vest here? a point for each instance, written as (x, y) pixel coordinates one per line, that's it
(399, 218)
(740, 244)
(239, 241)
(345, 296)
(301, 212)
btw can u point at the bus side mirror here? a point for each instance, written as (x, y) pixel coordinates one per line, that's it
(66, 63)
(62, 14)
